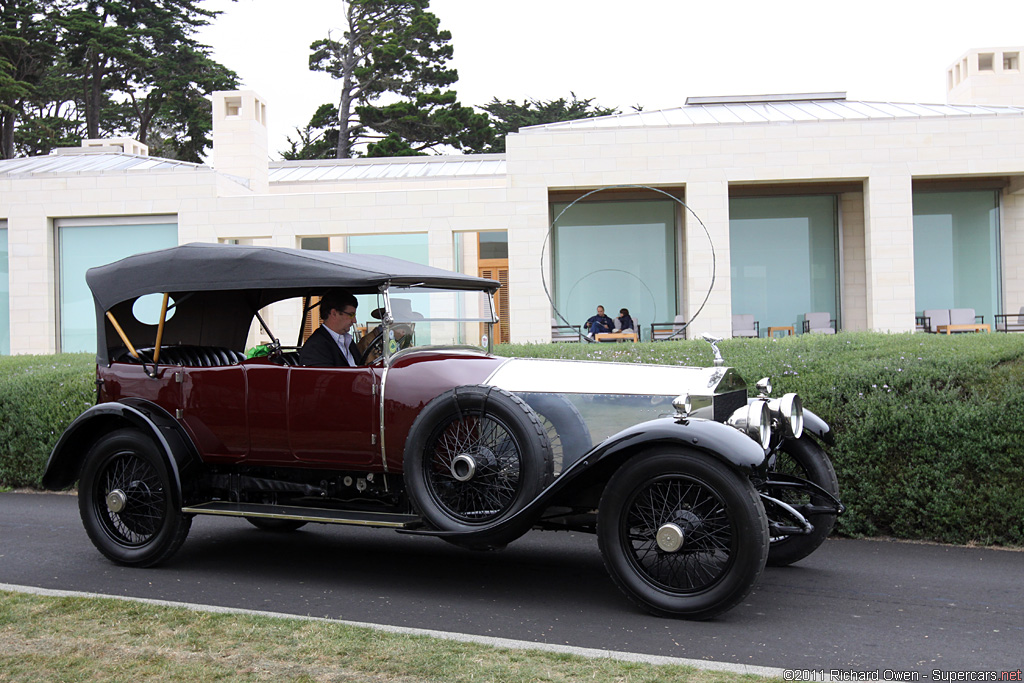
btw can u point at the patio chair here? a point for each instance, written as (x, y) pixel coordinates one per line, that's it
(964, 316)
(933, 317)
(819, 323)
(564, 333)
(672, 330)
(1005, 324)
(744, 325)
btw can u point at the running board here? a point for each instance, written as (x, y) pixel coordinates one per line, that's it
(305, 514)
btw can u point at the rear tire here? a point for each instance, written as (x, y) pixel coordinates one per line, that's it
(682, 535)
(128, 502)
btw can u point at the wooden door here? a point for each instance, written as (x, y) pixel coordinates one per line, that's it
(497, 269)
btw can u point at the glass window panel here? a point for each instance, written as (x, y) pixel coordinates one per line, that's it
(956, 251)
(617, 255)
(316, 243)
(81, 248)
(493, 245)
(410, 247)
(5, 295)
(783, 258)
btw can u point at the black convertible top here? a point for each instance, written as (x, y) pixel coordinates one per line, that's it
(209, 267)
(219, 287)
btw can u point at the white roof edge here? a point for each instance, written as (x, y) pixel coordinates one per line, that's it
(370, 161)
(838, 110)
(749, 99)
(384, 169)
(92, 161)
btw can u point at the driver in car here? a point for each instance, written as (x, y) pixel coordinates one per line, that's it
(331, 345)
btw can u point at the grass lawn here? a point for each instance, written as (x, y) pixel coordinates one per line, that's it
(88, 639)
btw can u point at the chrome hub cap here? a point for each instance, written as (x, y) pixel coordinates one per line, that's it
(670, 537)
(116, 500)
(463, 467)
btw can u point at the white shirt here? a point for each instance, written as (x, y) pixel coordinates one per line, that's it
(344, 341)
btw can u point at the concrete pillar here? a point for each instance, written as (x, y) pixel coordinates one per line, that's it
(889, 251)
(1011, 224)
(707, 253)
(33, 307)
(853, 283)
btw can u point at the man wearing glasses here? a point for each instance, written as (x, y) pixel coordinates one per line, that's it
(331, 344)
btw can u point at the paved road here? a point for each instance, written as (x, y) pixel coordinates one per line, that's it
(853, 605)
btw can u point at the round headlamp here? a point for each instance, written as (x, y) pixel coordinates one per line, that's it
(788, 412)
(793, 415)
(683, 405)
(754, 420)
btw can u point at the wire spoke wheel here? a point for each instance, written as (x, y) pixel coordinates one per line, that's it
(681, 533)
(130, 500)
(704, 531)
(475, 456)
(474, 467)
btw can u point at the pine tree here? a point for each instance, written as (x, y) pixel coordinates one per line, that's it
(396, 95)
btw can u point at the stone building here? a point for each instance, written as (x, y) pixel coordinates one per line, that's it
(789, 204)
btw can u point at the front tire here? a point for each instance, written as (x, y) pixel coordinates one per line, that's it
(681, 534)
(128, 502)
(475, 456)
(803, 458)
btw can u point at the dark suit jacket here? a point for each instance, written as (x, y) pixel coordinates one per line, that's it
(320, 350)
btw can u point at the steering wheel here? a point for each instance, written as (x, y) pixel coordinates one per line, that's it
(374, 348)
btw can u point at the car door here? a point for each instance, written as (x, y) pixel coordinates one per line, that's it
(333, 416)
(213, 411)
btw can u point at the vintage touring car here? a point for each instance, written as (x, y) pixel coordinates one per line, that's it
(690, 485)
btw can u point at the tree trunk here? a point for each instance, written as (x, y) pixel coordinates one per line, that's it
(94, 102)
(7, 135)
(344, 148)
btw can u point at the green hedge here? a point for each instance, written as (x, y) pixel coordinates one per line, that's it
(929, 428)
(39, 397)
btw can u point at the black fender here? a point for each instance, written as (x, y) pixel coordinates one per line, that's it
(717, 440)
(65, 462)
(818, 427)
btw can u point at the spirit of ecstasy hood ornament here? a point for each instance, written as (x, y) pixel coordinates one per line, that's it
(719, 361)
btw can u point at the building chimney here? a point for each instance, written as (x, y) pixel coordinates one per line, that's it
(986, 76)
(240, 137)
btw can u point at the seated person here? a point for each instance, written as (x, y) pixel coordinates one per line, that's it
(331, 344)
(598, 324)
(624, 323)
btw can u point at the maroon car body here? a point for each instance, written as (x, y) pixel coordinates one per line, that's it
(690, 485)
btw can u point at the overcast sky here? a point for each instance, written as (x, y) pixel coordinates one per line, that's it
(652, 53)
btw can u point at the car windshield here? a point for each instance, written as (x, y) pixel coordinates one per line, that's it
(431, 317)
